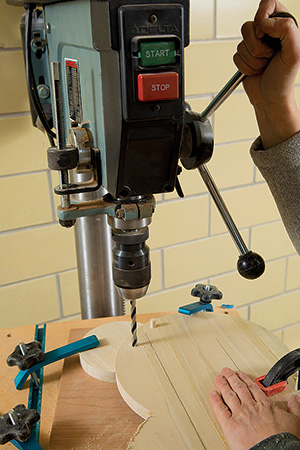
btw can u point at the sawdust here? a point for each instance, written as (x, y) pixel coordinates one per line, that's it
(129, 447)
(92, 444)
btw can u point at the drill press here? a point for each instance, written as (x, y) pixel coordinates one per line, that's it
(118, 110)
(117, 96)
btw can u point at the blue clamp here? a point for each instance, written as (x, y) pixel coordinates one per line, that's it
(56, 355)
(193, 308)
(31, 444)
(206, 294)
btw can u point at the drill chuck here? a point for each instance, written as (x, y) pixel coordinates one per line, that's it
(131, 261)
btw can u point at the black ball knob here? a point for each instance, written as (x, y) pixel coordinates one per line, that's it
(251, 265)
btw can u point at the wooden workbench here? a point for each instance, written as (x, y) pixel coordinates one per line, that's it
(58, 334)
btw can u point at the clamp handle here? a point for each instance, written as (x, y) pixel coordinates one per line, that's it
(26, 355)
(206, 293)
(17, 423)
(56, 355)
(283, 369)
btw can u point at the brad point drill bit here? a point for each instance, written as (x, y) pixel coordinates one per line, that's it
(133, 322)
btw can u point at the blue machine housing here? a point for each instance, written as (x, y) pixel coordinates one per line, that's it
(139, 141)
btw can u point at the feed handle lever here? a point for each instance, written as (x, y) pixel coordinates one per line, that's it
(197, 150)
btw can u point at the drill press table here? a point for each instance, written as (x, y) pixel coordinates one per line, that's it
(68, 392)
(57, 334)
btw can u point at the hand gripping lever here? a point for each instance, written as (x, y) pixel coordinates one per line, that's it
(238, 77)
(197, 150)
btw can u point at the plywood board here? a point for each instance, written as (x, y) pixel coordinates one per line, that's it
(90, 414)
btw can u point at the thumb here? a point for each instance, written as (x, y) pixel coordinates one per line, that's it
(293, 406)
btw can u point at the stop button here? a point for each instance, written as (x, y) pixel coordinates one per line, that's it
(158, 86)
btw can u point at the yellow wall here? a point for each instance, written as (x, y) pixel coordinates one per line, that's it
(189, 243)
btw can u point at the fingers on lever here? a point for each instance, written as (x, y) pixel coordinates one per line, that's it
(267, 8)
(245, 68)
(255, 45)
(253, 55)
(262, 38)
(276, 29)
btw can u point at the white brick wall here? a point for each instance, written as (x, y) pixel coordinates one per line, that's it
(188, 239)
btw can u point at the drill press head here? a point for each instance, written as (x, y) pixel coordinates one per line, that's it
(123, 73)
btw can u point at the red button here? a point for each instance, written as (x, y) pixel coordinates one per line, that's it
(158, 86)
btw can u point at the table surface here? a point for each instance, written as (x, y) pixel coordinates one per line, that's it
(57, 335)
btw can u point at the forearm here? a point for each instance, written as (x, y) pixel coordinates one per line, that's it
(281, 441)
(280, 167)
(277, 123)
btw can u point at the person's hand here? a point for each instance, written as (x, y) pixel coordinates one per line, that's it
(246, 415)
(271, 76)
(275, 73)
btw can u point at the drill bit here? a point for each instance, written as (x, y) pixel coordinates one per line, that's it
(133, 322)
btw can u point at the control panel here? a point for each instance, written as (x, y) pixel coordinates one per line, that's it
(151, 61)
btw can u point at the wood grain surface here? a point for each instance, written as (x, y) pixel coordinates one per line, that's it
(168, 378)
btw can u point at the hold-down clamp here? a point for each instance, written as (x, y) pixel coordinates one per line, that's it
(29, 365)
(276, 379)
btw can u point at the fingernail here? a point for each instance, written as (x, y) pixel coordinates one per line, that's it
(259, 33)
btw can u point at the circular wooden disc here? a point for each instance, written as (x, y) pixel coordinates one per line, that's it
(100, 362)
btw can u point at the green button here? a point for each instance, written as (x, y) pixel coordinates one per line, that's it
(157, 53)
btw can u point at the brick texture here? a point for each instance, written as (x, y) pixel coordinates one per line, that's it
(188, 239)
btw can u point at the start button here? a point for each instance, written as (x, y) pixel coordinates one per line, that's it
(157, 53)
(158, 86)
